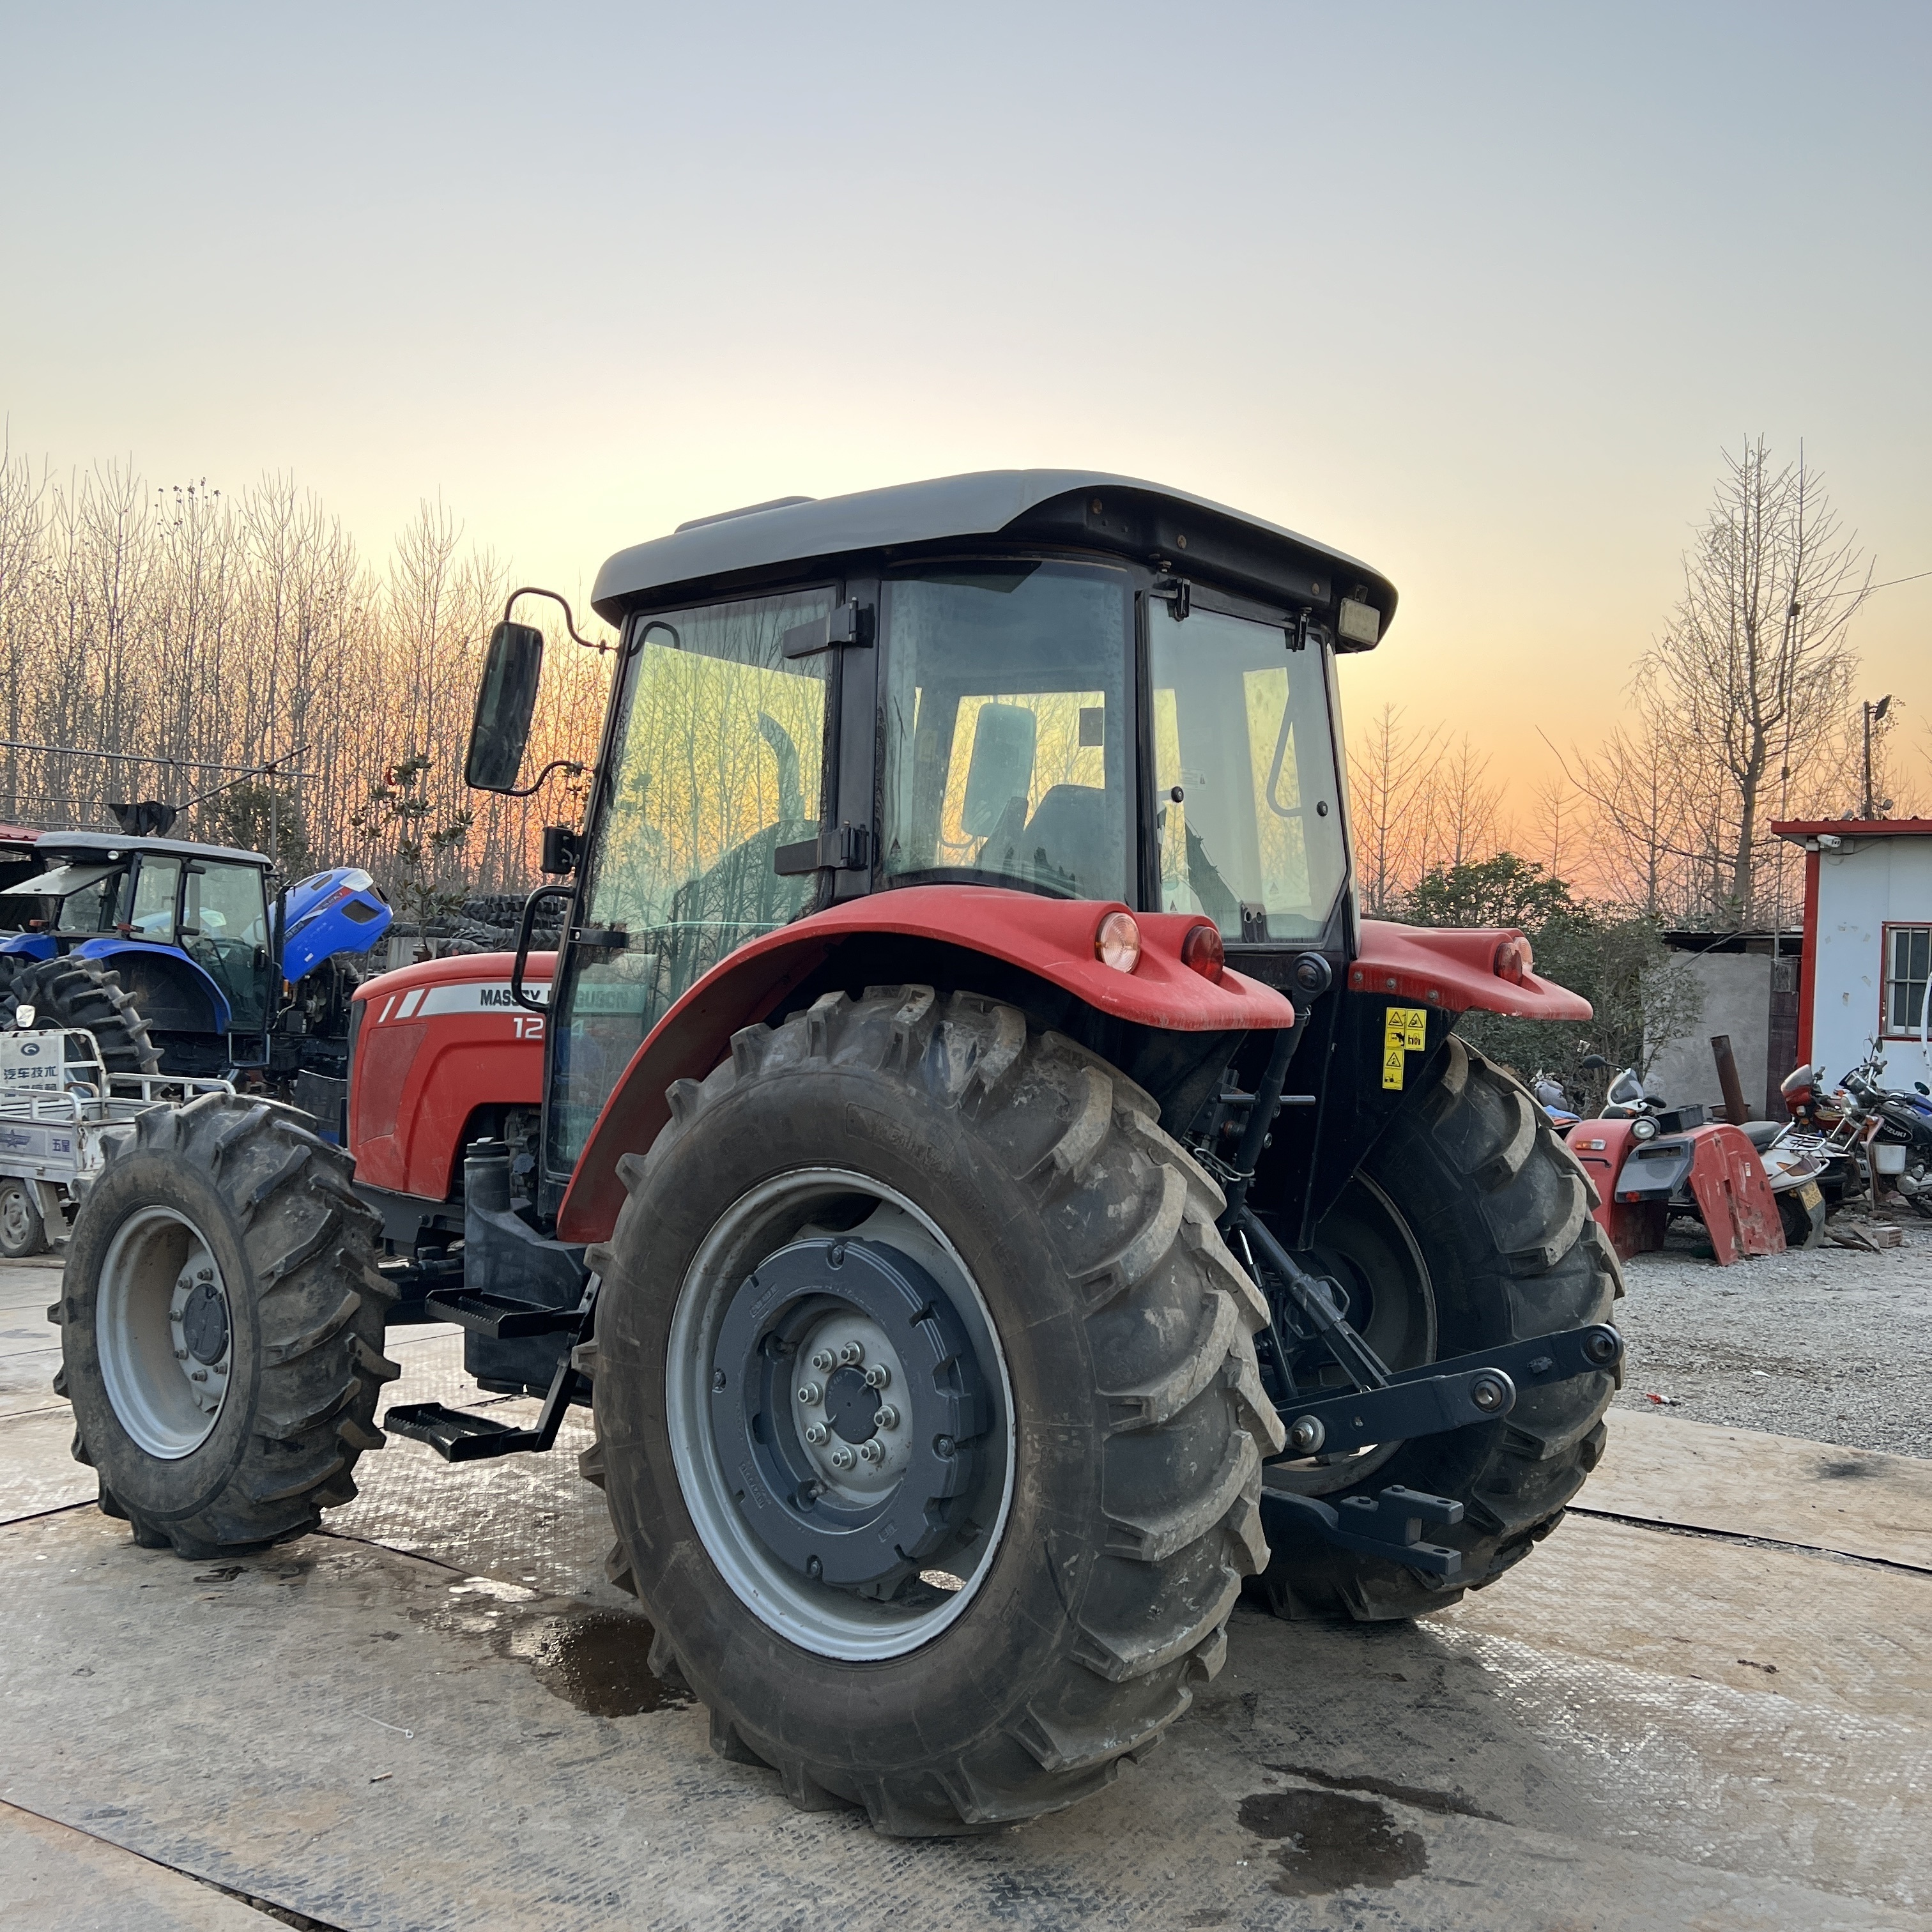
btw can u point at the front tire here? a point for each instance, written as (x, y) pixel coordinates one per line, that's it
(1063, 1328)
(221, 1328)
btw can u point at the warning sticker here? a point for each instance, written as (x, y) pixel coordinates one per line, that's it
(1406, 1032)
(1412, 1022)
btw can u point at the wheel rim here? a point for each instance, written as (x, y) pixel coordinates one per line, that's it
(1366, 1244)
(164, 1331)
(15, 1221)
(810, 1533)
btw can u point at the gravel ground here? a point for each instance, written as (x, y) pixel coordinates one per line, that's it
(1834, 1344)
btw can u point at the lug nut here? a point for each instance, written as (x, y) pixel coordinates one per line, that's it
(842, 1457)
(944, 1447)
(175, 1314)
(824, 1361)
(873, 1450)
(204, 1274)
(221, 1368)
(718, 1381)
(888, 1417)
(810, 1393)
(1486, 1393)
(199, 1376)
(877, 1375)
(851, 1355)
(814, 1433)
(1306, 1435)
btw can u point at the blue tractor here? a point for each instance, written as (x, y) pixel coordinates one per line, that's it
(167, 951)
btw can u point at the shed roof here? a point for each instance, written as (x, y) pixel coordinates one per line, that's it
(1137, 516)
(1853, 828)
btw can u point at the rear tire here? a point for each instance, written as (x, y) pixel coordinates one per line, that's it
(223, 1237)
(22, 1232)
(1499, 1211)
(1098, 1557)
(75, 992)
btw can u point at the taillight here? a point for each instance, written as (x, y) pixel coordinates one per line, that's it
(1118, 943)
(1201, 952)
(1514, 958)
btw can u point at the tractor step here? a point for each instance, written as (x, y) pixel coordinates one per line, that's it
(459, 1437)
(498, 1315)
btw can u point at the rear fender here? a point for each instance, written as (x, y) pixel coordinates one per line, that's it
(173, 994)
(29, 945)
(1051, 939)
(1453, 970)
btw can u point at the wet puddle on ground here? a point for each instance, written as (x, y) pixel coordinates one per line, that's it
(598, 1660)
(1329, 1841)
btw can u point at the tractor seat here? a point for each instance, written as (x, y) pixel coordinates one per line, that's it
(1071, 832)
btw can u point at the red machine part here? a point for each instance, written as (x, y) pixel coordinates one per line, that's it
(1601, 1147)
(435, 1042)
(1461, 970)
(1727, 1182)
(1055, 938)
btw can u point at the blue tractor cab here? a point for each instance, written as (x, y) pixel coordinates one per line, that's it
(188, 931)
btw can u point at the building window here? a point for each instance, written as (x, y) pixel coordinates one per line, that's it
(1908, 966)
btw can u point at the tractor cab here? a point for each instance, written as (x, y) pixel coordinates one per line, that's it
(185, 928)
(1077, 688)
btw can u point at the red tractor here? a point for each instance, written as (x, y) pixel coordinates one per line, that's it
(996, 1195)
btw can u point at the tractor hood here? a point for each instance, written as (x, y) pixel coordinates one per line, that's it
(1079, 509)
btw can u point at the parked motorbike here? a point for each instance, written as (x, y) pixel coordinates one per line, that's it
(1879, 1137)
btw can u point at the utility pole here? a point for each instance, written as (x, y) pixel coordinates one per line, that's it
(1874, 715)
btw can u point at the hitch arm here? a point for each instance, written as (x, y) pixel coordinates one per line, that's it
(1452, 1394)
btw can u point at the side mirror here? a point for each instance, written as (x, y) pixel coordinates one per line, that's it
(1593, 1063)
(505, 702)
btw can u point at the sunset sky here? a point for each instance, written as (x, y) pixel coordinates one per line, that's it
(1478, 292)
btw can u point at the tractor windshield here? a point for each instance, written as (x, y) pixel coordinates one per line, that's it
(1248, 802)
(714, 764)
(1007, 732)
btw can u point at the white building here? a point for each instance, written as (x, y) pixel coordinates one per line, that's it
(1867, 955)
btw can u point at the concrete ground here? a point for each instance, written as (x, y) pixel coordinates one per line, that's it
(1706, 1701)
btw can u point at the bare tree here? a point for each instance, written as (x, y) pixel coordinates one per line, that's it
(1751, 678)
(1391, 784)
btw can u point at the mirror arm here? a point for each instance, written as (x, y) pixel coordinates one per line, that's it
(569, 624)
(536, 783)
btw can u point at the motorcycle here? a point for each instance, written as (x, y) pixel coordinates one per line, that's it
(1870, 1135)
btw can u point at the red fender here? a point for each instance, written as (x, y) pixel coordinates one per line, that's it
(1454, 968)
(435, 1042)
(1634, 1227)
(1733, 1195)
(1053, 938)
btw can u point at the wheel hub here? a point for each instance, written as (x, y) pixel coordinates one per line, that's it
(165, 1332)
(844, 1395)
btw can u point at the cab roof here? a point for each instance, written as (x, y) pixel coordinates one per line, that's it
(1082, 508)
(97, 847)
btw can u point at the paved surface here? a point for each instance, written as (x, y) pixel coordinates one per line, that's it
(438, 1715)
(1828, 1343)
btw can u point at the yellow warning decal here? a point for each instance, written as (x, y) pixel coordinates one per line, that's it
(1406, 1032)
